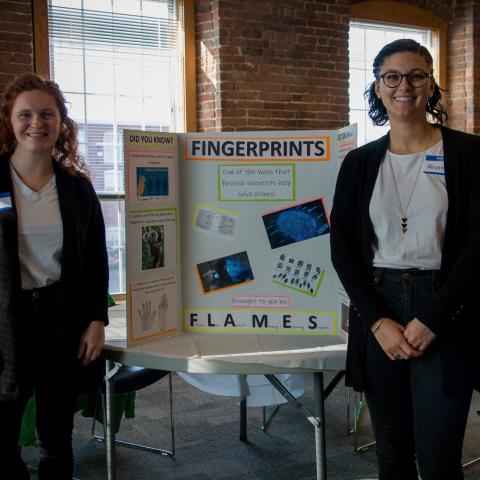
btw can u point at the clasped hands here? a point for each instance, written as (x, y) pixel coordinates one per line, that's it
(399, 342)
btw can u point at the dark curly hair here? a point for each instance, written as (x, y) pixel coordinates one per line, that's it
(435, 111)
(65, 150)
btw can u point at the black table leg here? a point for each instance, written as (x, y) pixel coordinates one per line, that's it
(243, 419)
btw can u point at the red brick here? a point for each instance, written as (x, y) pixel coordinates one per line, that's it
(16, 7)
(293, 56)
(16, 68)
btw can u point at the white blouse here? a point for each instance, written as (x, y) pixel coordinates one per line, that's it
(40, 232)
(421, 177)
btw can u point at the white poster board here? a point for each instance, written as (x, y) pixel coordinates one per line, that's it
(253, 212)
(152, 234)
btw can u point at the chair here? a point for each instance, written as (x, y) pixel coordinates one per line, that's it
(359, 407)
(130, 379)
(475, 460)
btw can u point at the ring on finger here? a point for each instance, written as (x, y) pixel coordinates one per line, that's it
(397, 356)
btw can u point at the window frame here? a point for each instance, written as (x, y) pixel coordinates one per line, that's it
(404, 15)
(41, 62)
(41, 58)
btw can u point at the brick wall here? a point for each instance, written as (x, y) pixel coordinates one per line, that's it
(208, 53)
(272, 65)
(16, 34)
(464, 67)
(280, 64)
(284, 64)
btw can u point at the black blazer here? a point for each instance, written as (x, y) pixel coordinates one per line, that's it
(83, 279)
(453, 316)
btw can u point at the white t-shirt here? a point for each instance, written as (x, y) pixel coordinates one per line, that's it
(421, 245)
(40, 233)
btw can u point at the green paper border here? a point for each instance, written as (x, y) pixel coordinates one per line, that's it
(294, 192)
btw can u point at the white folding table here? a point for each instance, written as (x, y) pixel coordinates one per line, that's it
(238, 354)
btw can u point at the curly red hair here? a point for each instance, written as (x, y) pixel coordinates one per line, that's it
(65, 150)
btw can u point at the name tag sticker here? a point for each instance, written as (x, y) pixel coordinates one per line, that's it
(5, 201)
(434, 165)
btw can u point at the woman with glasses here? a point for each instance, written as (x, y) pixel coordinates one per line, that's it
(53, 275)
(405, 243)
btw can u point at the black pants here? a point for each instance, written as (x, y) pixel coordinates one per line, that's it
(54, 391)
(10, 420)
(412, 417)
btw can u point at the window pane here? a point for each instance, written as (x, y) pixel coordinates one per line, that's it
(104, 5)
(69, 69)
(99, 78)
(357, 88)
(129, 76)
(113, 212)
(128, 7)
(365, 41)
(130, 110)
(119, 65)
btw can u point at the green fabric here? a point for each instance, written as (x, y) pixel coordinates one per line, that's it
(124, 406)
(28, 435)
(111, 301)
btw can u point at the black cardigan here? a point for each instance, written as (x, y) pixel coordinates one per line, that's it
(453, 317)
(83, 279)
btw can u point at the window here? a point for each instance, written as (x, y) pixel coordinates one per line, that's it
(365, 41)
(375, 23)
(120, 65)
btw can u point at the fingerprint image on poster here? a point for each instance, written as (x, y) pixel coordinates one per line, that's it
(225, 272)
(298, 274)
(296, 223)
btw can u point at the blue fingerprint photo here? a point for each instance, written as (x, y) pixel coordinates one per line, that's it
(152, 181)
(225, 272)
(297, 223)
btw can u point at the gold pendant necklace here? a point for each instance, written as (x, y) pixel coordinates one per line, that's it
(404, 216)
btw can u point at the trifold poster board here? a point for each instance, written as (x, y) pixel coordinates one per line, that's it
(229, 232)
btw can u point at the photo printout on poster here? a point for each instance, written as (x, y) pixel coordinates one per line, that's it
(150, 160)
(215, 221)
(152, 182)
(151, 176)
(153, 307)
(152, 240)
(224, 272)
(297, 223)
(298, 274)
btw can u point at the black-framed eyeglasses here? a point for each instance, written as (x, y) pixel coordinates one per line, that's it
(416, 78)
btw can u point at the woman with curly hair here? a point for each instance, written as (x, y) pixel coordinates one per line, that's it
(53, 274)
(405, 239)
